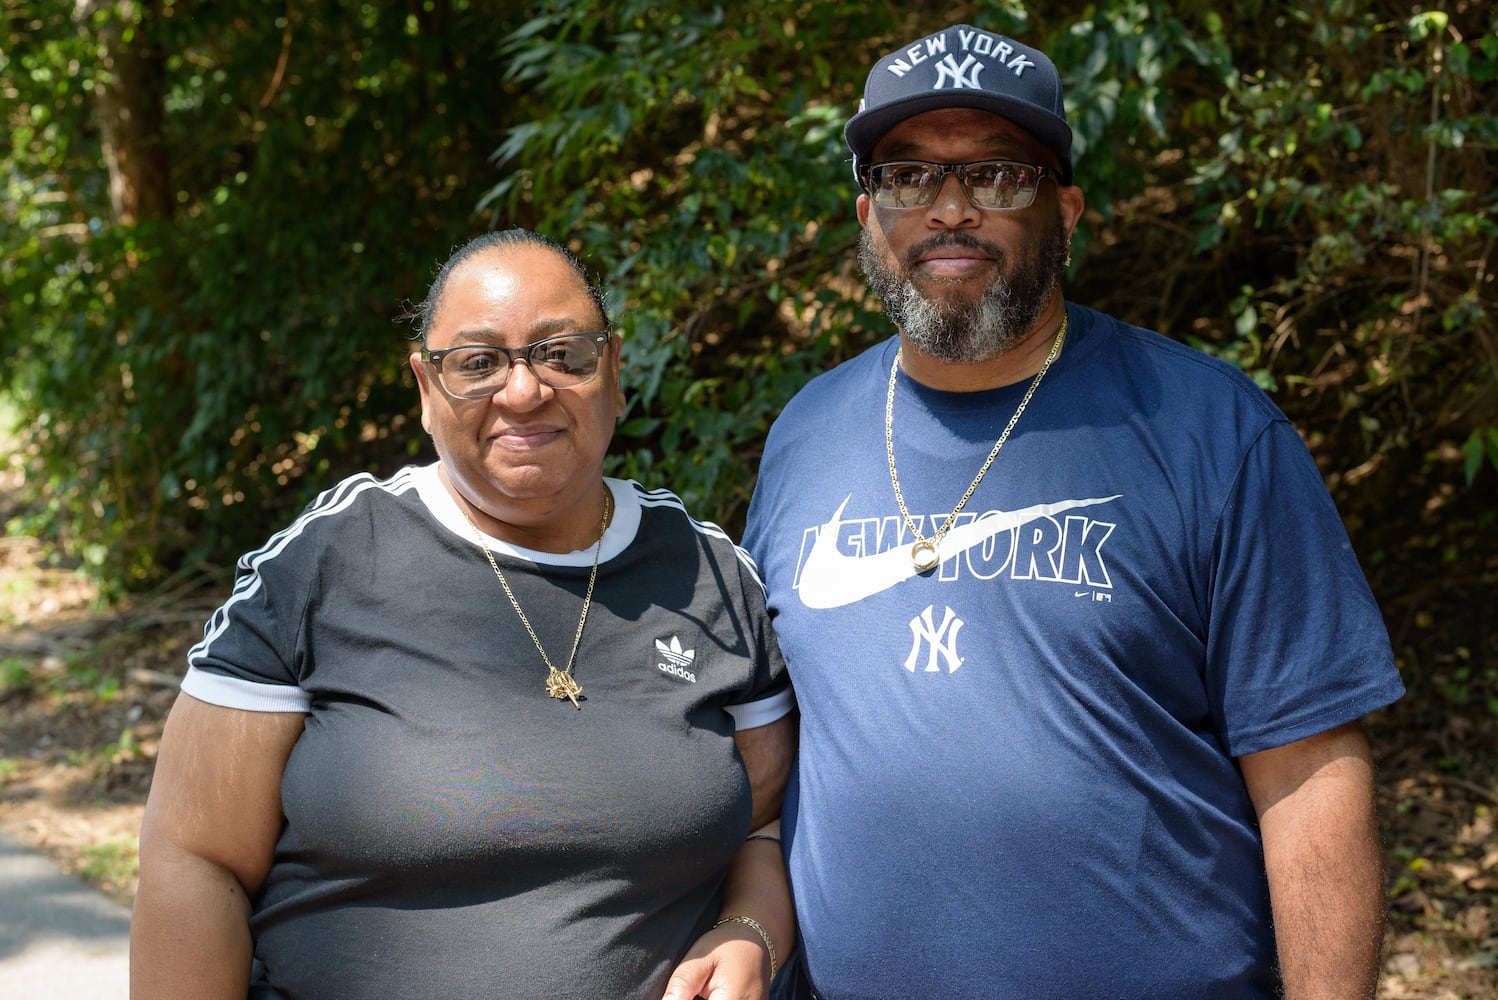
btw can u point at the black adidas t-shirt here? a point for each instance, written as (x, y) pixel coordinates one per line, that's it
(452, 830)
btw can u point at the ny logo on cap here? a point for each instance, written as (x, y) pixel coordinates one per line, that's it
(962, 76)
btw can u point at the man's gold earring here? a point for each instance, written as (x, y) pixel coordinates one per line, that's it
(1067, 261)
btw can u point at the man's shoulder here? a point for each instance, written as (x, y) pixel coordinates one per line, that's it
(1190, 373)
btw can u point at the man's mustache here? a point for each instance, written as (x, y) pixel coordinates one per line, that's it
(952, 239)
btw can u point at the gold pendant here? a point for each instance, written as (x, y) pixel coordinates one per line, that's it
(923, 554)
(563, 687)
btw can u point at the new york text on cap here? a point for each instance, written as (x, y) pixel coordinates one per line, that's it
(963, 67)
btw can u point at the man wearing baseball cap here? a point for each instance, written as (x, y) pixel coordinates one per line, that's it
(1080, 643)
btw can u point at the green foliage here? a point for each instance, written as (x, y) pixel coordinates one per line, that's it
(1481, 446)
(15, 676)
(184, 380)
(1348, 184)
(76, 678)
(1305, 189)
(113, 863)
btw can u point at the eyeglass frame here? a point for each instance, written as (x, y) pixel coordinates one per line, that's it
(1042, 172)
(598, 338)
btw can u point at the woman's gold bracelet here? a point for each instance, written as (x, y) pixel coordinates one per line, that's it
(754, 925)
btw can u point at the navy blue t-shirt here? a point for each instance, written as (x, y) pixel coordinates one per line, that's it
(1017, 774)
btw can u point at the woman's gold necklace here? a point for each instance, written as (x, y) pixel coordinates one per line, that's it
(560, 684)
(923, 554)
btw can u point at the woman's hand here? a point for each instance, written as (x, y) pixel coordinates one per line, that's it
(729, 962)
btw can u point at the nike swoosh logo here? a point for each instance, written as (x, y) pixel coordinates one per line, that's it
(830, 579)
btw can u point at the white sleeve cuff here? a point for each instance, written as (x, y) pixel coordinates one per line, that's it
(250, 696)
(754, 714)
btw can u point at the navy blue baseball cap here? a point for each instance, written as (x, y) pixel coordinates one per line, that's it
(962, 67)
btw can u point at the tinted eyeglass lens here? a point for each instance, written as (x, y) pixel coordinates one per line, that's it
(906, 185)
(994, 184)
(1001, 185)
(561, 362)
(564, 361)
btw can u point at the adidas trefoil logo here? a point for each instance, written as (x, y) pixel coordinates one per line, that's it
(672, 659)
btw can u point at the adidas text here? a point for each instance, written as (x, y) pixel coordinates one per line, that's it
(676, 671)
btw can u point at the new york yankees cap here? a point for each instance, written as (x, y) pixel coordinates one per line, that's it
(962, 67)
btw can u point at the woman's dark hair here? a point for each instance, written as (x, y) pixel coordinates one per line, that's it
(423, 312)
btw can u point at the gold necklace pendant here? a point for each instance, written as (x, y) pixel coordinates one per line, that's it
(563, 687)
(923, 554)
(560, 683)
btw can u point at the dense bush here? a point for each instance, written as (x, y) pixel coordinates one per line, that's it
(1307, 190)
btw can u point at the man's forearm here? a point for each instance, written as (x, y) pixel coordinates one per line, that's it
(1326, 886)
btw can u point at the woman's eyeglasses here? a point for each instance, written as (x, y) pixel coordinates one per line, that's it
(471, 371)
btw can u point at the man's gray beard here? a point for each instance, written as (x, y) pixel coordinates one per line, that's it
(971, 332)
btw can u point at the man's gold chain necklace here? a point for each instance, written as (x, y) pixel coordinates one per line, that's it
(560, 684)
(923, 554)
